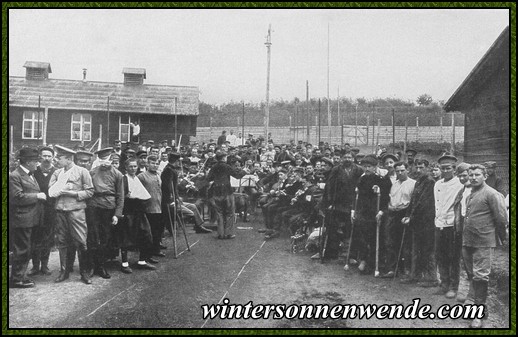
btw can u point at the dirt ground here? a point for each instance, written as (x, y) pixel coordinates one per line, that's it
(242, 270)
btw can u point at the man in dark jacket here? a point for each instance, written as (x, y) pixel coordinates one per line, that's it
(26, 200)
(420, 216)
(338, 200)
(221, 196)
(44, 234)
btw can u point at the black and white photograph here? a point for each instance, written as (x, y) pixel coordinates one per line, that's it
(258, 168)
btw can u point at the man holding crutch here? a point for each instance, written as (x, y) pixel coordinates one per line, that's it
(400, 195)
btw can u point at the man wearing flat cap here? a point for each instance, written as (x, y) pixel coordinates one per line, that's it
(71, 185)
(104, 210)
(446, 253)
(493, 180)
(410, 155)
(26, 199)
(44, 234)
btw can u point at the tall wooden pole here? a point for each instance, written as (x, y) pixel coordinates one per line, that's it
(38, 121)
(307, 111)
(108, 124)
(373, 131)
(328, 103)
(267, 107)
(296, 123)
(319, 122)
(356, 125)
(175, 122)
(393, 132)
(243, 127)
(340, 121)
(453, 134)
(378, 133)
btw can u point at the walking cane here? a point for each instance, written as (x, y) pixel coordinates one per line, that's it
(378, 225)
(323, 238)
(346, 267)
(400, 250)
(174, 223)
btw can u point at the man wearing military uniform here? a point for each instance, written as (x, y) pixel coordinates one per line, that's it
(71, 185)
(104, 210)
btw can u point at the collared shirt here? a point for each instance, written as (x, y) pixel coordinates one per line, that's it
(400, 194)
(445, 194)
(108, 189)
(28, 172)
(75, 179)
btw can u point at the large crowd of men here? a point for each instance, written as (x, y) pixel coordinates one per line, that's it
(394, 214)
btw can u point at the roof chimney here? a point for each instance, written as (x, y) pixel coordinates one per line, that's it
(37, 70)
(134, 76)
(84, 74)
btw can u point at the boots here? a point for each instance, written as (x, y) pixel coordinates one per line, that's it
(470, 297)
(71, 257)
(45, 262)
(480, 291)
(63, 272)
(99, 265)
(82, 256)
(35, 264)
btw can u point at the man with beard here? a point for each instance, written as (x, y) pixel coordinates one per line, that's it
(366, 214)
(337, 202)
(104, 210)
(71, 185)
(419, 217)
(43, 235)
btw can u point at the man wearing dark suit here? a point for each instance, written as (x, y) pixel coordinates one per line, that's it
(26, 198)
(43, 235)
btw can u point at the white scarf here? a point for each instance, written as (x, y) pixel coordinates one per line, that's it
(60, 184)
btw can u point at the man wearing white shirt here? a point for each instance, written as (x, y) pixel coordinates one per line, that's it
(448, 259)
(400, 195)
(232, 138)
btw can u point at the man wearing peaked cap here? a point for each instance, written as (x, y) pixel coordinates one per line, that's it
(26, 197)
(83, 158)
(71, 185)
(493, 180)
(447, 251)
(104, 210)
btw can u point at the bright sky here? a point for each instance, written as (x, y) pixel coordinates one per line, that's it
(399, 53)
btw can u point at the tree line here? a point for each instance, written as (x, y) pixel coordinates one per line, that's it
(231, 113)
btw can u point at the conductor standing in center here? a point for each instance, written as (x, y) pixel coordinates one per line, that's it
(221, 196)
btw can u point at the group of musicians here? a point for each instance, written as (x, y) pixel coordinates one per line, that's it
(389, 212)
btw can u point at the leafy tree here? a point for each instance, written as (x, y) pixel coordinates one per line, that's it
(424, 100)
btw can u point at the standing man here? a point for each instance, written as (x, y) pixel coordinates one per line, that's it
(26, 200)
(338, 200)
(104, 210)
(400, 195)
(446, 254)
(44, 234)
(420, 216)
(221, 196)
(232, 138)
(493, 180)
(71, 185)
(223, 138)
(485, 220)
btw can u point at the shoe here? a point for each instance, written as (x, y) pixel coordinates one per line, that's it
(22, 284)
(316, 256)
(263, 230)
(159, 254)
(476, 323)
(63, 275)
(201, 230)
(85, 278)
(362, 265)
(45, 271)
(163, 247)
(390, 274)
(152, 260)
(126, 270)
(407, 280)
(33, 272)
(353, 262)
(102, 273)
(451, 294)
(230, 236)
(221, 237)
(272, 235)
(146, 266)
